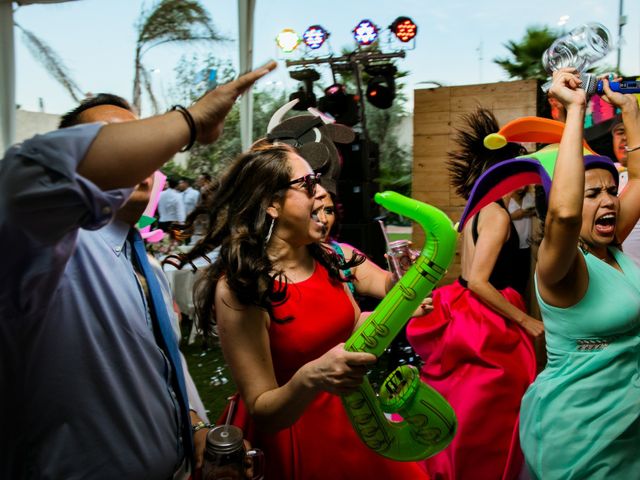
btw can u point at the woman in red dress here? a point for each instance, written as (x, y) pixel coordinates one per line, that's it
(283, 313)
(476, 344)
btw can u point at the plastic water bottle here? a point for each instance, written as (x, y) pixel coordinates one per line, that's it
(580, 48)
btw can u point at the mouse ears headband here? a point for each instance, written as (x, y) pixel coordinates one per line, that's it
(534, 168)
(314, 136)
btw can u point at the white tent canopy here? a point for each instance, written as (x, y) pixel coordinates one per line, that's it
(8, 69)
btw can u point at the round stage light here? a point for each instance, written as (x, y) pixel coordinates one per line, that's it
(404, 29)
(315, 36)
(288, 40)
(365, 32)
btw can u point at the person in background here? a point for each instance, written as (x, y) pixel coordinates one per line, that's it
(190, 196)
(203, 180)
(521, 205)
(91, 386)
(171, 207)
(631, 245)
(204, 184)
(366, 278)
(581, 417)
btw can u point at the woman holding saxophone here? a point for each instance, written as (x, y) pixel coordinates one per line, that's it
(283, 313)
(476, 344)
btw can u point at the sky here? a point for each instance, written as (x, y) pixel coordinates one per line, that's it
(456, 43)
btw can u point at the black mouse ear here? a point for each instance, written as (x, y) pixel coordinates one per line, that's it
(338, 133)
(317, 155)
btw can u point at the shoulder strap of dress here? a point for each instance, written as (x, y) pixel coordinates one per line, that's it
(474, 224)
(337, 248)
(474, 227)
(347, 272)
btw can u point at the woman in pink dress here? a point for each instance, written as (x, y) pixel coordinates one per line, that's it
(476, 344)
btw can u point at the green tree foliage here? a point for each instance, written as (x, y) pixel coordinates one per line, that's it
(525, 61)
(191, 83)
(168, 21)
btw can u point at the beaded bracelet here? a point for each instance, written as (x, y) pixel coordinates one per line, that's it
(200, 426)
(631, 149)
(190, 121)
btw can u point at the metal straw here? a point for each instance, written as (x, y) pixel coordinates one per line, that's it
(232, 405)
(384, 232)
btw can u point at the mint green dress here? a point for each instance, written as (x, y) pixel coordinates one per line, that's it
(580, 419)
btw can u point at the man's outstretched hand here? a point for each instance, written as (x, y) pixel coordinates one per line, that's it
(210, 111)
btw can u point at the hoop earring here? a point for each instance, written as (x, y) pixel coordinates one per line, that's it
(268, 237)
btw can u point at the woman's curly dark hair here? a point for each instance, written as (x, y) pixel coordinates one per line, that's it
(238, 226)
(472, 158)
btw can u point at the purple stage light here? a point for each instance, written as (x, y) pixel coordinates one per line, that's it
(366, 32)
(315, 36)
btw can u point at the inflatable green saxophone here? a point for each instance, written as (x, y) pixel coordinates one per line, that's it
(429, 422)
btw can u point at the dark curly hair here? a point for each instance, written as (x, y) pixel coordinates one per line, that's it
(472, 158)
(238, 226)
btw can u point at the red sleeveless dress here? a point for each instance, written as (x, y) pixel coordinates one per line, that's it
(321, 444)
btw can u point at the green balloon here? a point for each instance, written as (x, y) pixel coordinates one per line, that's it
(429, 423)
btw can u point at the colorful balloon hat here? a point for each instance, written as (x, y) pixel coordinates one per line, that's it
(534, 168)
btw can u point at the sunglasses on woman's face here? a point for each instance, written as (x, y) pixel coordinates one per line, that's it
(308, 181)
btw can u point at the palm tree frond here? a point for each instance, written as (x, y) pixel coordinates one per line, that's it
(177, 20)
(52, 63)
(168, 21)
(149, 88)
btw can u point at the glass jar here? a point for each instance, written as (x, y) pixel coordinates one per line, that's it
(225, 457)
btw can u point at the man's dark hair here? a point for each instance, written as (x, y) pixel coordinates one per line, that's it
(72, 117)
(206, 176)
(172, 181)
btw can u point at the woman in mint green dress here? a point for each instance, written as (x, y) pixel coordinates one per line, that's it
(580, 419)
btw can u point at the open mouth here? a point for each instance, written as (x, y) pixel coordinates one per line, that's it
(315, 216)
(606, 224)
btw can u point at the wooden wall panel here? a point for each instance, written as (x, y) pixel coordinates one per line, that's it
(436, 115)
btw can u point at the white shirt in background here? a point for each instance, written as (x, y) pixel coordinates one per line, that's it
(524, 225)
(171, 206)
(190, 198)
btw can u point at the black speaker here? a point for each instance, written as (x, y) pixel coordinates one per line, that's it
(366, 237)
(356, 200)
(360, 161)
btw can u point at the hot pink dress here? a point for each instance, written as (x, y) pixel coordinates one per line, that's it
(482, 364)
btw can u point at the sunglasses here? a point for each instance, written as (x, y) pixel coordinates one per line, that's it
(309, 182)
